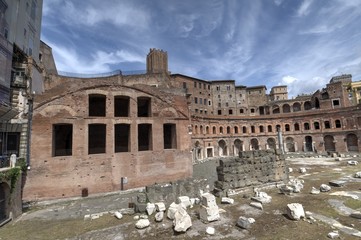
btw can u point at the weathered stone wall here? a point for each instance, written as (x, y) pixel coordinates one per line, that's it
(251, 168)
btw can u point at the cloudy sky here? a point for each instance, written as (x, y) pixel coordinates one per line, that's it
(299, 43)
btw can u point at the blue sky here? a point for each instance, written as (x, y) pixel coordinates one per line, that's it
(299, 43)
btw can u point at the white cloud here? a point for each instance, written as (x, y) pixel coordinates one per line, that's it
(68, 60)
(90, 14)
(278, 2)
(304, 9)
(288, 80)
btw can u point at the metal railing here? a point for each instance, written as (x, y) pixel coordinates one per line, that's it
(90, 75)
(98, 75)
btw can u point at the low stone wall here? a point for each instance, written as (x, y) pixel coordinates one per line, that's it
(251, 168)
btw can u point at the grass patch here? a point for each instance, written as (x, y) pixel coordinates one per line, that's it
(353, 203)
(62, 229)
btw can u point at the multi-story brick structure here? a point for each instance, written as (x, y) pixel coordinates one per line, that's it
(109, 133)
(104, 134)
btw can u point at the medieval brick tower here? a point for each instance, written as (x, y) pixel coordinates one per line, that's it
(157, 61)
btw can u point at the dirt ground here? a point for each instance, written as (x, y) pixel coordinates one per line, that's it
(329, 213)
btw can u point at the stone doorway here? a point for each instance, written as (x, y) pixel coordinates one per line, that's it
(329, 143)
(222, 148)
(238, 147)
(352, 142)
(308, 144)
(290, 145)
(254, 144)
(209, 152)
(271, 142)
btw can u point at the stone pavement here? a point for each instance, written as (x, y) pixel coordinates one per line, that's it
(79, 207)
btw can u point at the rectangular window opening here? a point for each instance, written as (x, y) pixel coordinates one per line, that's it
(96, 138)
(170, 136)
(122, 138)
(97, 105)
(121, 106)
(144, 107)
(62, 140)
(144, 137)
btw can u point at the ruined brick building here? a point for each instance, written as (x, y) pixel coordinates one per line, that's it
(118, 131)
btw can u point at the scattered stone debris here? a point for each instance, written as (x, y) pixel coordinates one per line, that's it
(160, 206)
(352, 162)
(209, 210)
(284, 189)
(184, 201)
(290, 170)
(182, 221)
(172, 210)
(325, 188)
(118, 215)
(142, 223)
(226, 200)
(257, 205)
(150, 208)
(334, 234)
(127, 211)
(244, 222)
(296, 185)
(262, 197)
(210, 230)
(356, 215)
(337, 183)
(315, 191)
(302, 170)
(159, 216)
(358, 175)
(295, 211)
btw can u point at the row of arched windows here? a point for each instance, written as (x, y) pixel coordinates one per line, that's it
(244, 129)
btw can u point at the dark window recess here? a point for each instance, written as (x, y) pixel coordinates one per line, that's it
(316, 125)
(244, 129)
(253, 129)
(62, 140)
(122, 137)
(269, 128)
(338, 124)
(170, 136)
(261, 129)
(219, 112)
(144, 137)
(327, 125)
(297, 127)
(306, 126)
(287, 127)
(144, 107)
(97, 105)
(96, 138)
(121, 106)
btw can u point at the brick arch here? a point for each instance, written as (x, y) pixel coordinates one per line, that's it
(53, 110)
(286, 108)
